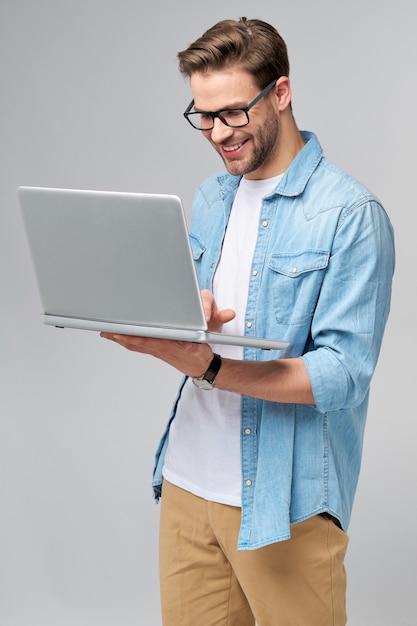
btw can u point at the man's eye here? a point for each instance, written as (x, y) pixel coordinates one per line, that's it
(232, 113)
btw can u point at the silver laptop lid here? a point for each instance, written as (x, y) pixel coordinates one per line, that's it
(115, 257)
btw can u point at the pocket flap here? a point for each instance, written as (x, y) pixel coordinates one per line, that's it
(293, 264)
(197, 247)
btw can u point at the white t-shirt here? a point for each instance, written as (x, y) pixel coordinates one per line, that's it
(203, 454)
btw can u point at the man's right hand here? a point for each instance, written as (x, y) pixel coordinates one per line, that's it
(215, 317)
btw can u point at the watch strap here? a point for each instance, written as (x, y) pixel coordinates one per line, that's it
(206, 381)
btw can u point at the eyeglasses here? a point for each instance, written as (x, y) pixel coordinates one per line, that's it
(235, 118)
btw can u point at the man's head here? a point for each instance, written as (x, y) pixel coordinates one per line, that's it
(238, 73)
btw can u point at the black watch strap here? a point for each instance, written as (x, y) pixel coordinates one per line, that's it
(206, 381)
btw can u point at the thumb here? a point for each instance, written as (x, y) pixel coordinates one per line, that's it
(226, 315)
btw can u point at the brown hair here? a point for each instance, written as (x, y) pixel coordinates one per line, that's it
(252, 44)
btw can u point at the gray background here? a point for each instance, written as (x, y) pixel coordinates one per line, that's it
(91, 98)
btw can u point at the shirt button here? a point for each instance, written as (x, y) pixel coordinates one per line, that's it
(248, 483)
(255, 273)
(249, 325)
(294, 270)
(247, 431)
(265, 223)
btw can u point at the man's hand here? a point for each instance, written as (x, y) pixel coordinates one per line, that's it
(215, 318)
(189, 358)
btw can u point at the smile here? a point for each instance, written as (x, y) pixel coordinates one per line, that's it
(233, 148)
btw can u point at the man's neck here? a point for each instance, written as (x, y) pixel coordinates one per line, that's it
(290, 143)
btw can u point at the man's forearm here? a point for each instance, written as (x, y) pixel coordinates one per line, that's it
(284, 380)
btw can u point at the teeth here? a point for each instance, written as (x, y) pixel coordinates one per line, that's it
(232, 148)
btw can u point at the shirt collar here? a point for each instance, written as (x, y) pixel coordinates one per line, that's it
(295, 178)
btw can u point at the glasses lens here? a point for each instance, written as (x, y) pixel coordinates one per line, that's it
(231, 117)
(234, 117)
(201, 121)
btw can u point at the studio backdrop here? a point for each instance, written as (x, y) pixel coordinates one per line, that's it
(91, 98)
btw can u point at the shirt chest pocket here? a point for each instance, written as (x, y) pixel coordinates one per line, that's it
(198, 252)
(295, 282)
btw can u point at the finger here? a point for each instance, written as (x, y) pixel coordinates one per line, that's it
(139, 344)
(209, 304)
(226, 315)
(113, 337)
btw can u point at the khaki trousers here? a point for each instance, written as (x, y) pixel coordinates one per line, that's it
(206, 581)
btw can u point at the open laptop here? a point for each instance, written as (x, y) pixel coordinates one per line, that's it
(119, 263)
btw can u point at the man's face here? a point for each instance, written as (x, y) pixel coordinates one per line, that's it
(251, 150)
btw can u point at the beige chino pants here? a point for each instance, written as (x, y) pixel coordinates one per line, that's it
(206, 581)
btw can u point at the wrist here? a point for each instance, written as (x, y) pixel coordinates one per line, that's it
(207, 380)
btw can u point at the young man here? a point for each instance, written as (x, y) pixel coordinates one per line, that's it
(259, 464)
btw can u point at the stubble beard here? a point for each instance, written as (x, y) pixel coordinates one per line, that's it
(263, 150)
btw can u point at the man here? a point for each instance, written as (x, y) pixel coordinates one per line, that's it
(258, 475)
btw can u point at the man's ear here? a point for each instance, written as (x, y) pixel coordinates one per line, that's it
(283, 92)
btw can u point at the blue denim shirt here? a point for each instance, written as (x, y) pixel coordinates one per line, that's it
(324, 258)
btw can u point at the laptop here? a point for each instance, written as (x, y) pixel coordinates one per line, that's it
(118, 263)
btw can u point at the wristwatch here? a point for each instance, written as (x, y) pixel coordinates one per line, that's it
(206, 381)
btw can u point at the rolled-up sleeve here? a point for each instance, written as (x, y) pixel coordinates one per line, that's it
(352, 308)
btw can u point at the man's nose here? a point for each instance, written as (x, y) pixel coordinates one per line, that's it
(220, 131)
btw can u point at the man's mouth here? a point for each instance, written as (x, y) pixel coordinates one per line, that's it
(234, 148)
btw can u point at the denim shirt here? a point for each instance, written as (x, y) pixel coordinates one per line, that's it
(321, 279)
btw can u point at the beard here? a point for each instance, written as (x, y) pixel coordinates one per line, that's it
(264, 149)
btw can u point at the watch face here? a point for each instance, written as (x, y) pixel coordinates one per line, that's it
(202, 384)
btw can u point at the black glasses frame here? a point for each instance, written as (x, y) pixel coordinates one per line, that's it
(188, 114)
